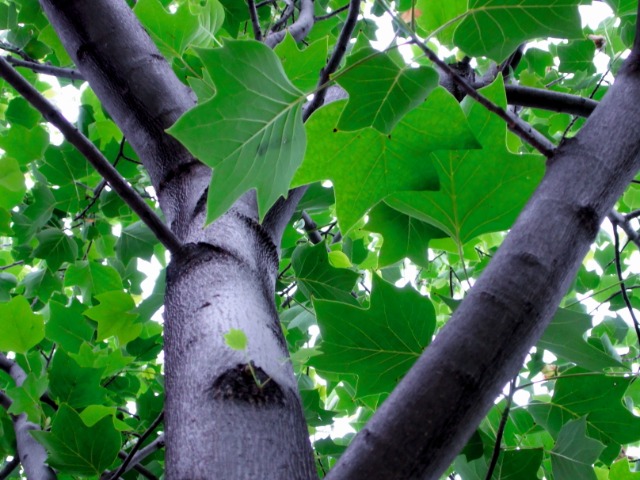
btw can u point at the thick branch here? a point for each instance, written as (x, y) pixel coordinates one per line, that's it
(549, 100)
(31, 453)
(92, 154)
(300, 27)
(487, 338)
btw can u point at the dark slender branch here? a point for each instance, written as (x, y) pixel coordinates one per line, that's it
(265, 3)
(143, 453)
(339, 52)
(332, 14)
(255, 21)
(9, 467)
(503, 422)
(11, 265)
(59, 72)
(623, 289)
(622, 221)
(549, 100)
(298, 29)
(136, 447)
(138, 468)
(286, 15)
(634, 214)
(311, 228)
(92, 154)
(515, 127)
(21, 53)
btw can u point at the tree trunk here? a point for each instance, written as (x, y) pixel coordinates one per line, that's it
(228, 414)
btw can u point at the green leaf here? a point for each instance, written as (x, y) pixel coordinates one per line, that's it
(574, 453)
(173, 33)
(251, 131)
(24, 145)
(564, 337)
(75, 448)
(599, 397)
(318, 279)
(136, 240)
(366, 166)
(302, 66)
(93, 278)
(114, 316)
(481, 191)
(67, 326)
(495, 28)
(20, 328)
(236, 339)
(404, 236)
(620, 470)
(380, 91)
(442, 16)
(74, 385)
(26, 398)
(21, 112)
(577, 56)
(56, 248)
(378, 344)
(7, 283)
(12, 187)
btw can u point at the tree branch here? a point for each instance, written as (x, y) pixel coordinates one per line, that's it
(136, 447)
(466, 87)
(46, 69)
(486, 340)
(311, 228)
(333, 63)
(92, 154)
(298, 29)
(549, 100)
(9, 467)
(31, 453)
(255, 21)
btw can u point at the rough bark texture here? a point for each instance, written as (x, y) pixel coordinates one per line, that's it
(219, 422)
(428, 418)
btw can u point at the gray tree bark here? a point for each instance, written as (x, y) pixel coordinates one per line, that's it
(219, 422)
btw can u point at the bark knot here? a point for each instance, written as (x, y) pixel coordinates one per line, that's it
(247, 383)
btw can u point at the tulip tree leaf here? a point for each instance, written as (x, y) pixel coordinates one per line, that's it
(378, 344)
(481, 191)
(564, 337)
(75, 448)
(251, 131)
(575, 452)
(404, 236)
(75, 385)
(26, 397)
(599, 398)
(67, 326)
(495, 28)
(381, 91)
(365, 166)
(318, 279)
(20, 328)
(114, 316)
(56, 248)
(302, 66)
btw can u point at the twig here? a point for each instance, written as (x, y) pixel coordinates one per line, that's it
(311, 228)
(11, 265)
(255, 21)
(9, 467)
(623, 222)
(136, 447)
(515, 127)
(500, 432)
(623, 289)
(93, 155)
(332, 14)
(333, 63)
(59, 72)
(282, 21)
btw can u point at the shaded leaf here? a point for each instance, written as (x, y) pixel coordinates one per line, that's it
(378, 344)
(318, 279)
(114, 316)
(76, 448)
(67, 326)
(56, 248)
(574, 452)
(74, 385)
